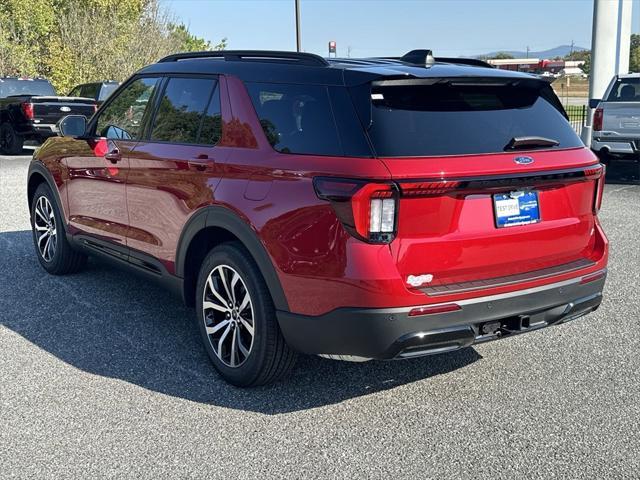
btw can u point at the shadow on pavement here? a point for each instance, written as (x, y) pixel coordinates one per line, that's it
(107, 322)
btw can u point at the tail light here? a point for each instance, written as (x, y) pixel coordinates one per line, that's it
(95, 107)
(422, 189)
(367, 210)
(597, 200)
(597, 120)
(27, 110)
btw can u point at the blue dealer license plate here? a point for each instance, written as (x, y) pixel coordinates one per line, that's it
(516, 208)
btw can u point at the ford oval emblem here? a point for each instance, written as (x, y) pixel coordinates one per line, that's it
(523, 160)
(65, 109)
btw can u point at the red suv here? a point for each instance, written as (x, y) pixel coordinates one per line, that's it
(352, 208)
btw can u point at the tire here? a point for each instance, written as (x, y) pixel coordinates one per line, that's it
(253, 351)
(54, 252)
(10, 142)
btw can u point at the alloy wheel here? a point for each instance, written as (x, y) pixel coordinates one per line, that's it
(228, 316)
(44, 225)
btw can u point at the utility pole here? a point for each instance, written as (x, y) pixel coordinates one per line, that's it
(528, 49)
(572, 45)
(298, 37)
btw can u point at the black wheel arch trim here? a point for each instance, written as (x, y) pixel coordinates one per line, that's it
(223, 217)
(37, 167)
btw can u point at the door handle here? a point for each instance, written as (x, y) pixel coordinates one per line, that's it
(113, 156)
(200, 162)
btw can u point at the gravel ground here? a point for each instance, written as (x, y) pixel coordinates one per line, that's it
(103, 375)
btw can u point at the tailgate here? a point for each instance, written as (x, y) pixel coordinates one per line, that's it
(621, 119)
(451, 230)
(494, 184)
(49, 110)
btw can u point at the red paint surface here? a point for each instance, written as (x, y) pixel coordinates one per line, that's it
(148, 197)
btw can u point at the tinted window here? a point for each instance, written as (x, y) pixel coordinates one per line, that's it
(296, 118)
(90, 90)
(625, 90)
(181, 110)
(13, 86)
(211, 130)
(123, 117)
(445, 119)
(75, 92)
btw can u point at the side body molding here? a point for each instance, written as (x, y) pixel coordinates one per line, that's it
(224, 218)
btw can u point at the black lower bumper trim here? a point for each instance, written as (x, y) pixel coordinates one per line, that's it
(392, 333)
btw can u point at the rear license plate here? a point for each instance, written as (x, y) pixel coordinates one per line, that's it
(516, 208)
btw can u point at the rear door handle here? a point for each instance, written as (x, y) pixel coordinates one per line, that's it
(114, 156)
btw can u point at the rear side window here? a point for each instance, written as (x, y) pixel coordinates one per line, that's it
(18, 86)
(625, 90)
(182, 109)
(461, 119)
(296, 118)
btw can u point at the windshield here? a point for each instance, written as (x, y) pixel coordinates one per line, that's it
(462, 118)
(15, 86)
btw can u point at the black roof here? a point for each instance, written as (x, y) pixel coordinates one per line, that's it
(307, 68)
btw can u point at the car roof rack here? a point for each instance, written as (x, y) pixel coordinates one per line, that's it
(296, 58)
(474, 62)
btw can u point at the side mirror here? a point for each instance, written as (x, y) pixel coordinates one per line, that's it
(73, 126)
(593, 102)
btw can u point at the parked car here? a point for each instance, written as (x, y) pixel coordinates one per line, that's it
(30, 109)
(616, 121)
(350, 208)
(98, 91)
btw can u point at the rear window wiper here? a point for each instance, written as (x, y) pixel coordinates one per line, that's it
(517, 143)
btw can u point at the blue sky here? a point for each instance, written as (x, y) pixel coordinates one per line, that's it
(391, 27)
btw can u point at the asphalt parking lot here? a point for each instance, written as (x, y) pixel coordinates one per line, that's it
(103, 376)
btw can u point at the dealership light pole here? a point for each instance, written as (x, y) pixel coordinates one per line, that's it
(610, 43)
(298, 39)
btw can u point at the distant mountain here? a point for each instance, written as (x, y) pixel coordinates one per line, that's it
(560, 51)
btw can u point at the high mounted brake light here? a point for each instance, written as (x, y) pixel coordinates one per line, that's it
(368, 210)
(27, 110)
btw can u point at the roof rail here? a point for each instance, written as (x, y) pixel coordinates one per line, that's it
(474, 62)
(299, 58)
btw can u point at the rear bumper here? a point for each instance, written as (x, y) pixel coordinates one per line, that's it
(616, 145)
(38, 131)
(392, 333)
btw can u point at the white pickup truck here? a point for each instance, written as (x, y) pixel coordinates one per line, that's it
(616, 121)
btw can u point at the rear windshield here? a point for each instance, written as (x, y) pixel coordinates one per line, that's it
(463, 118)
(625, 90)
(13, 86)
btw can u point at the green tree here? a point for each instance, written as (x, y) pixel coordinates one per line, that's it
(77, 41)
(581, 55)
(634, 53)
(501, 56)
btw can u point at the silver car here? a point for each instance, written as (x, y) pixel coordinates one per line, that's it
(616, 122)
